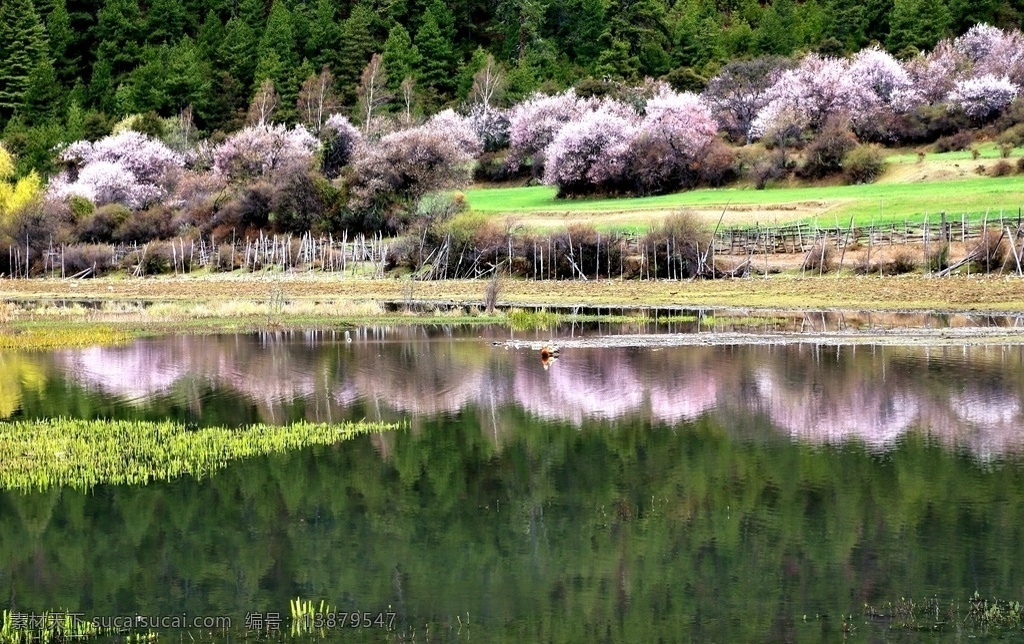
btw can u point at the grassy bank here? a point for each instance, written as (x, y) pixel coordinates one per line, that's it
(85, 453)
(313, 299)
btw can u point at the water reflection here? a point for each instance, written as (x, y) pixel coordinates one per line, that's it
(970, 397)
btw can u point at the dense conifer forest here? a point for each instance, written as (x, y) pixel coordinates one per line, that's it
(70, 69)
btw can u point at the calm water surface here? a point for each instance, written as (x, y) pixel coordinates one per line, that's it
(692, 493)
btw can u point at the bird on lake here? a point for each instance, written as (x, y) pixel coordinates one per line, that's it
(548, 355)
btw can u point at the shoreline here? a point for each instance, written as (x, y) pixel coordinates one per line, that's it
(906, 293)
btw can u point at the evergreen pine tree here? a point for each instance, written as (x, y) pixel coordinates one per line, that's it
(279, 36)
(165, 21)
(325, 36)
(357, 46)
(400, 57)
(437, 51)
(917, 23)
(238, 51)
(23, 47)
(61, 37)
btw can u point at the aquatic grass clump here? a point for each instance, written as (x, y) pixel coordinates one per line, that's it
(979, 615)
(62, 337)
(82, 454)
(57, 626)
(520, 320)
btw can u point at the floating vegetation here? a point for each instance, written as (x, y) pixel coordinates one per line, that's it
(62, 337)
(82, 454)
(976, 614)
(745, 320)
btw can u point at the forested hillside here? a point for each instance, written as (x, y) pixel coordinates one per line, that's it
(69, 69)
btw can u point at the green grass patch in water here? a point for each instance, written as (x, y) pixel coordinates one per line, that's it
(59, 337)
(82, 454)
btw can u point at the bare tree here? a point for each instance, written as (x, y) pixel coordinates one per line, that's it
(741, 90)
(187, 124)
(264, 104)
(317, 100)
(372, 91)
(408, 88)
(488, 84)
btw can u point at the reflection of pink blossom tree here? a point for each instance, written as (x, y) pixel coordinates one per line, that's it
(258, 150)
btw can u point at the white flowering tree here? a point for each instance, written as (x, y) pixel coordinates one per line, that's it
(340, 139)
(127, 168)
(258, 150)
(983, 97)
(491, 125)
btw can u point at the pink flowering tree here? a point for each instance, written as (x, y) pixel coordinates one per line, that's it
(983, 97)
(127, 168)
(877, 70)
(671, 143)
(390, 175)
(590, 154)
(741, 90)
(491, 125)
(340, 139)
(534, 123)
(819, 88)
(259, 150)
(935, 73)
(993, 51)
(457, 128)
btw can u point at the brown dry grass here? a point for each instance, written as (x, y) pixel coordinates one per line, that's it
(907, 292)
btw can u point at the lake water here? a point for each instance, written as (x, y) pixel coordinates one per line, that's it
(730, 493)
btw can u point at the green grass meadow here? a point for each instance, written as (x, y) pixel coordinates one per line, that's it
(901, 195)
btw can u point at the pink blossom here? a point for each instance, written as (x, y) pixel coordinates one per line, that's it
(983, 97)
(589, 154)
(534, 123)
(457, 128)
(818, 88)
(683, 120)
(934, 74)
(258, 150)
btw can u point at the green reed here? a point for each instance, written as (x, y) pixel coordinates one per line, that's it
(47, 627)
(82, 454)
